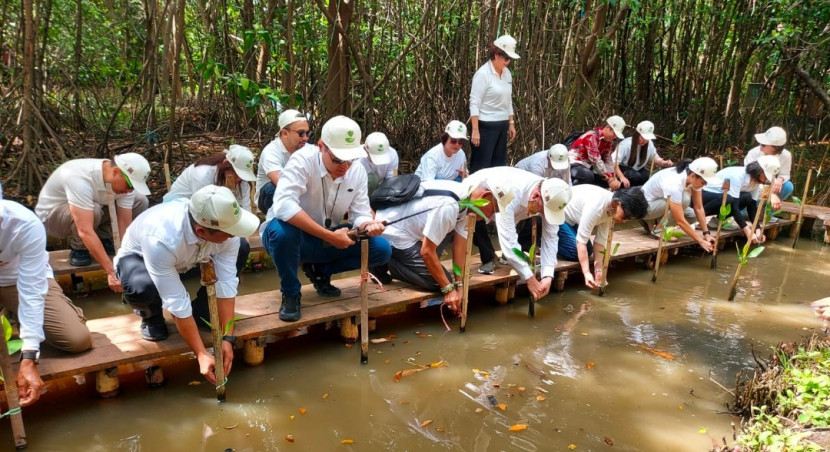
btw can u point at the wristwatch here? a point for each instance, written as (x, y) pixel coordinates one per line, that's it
(34, 355)
(229, 338)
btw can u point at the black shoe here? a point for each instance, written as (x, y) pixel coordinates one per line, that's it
(321, 283)
(154, 329)
(80, 258)
(109, 246)
(290, 308)
(382, 275)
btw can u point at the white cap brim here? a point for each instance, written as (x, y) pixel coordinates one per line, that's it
(647, 136)
(245, 174)
(512, 55)
(141, 187)
(559, 165)
(348, 154)
(248, 223)
(554, 217)
(618, 133)
(761, 138)
(457, 136)
(379, 159)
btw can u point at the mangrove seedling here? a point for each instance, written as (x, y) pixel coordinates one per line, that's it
(474, 205)
(227, 327)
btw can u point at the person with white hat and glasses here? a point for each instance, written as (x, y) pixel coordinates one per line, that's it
(531, 196)
(382, 161)
(446, 160)
(772, 142)
(684, 184)
(745, 183)
(317, 188)
(73, 204)
(590, 154)
(168, 240)
(293, 135)
(551, 163)
(632, 162)
(232, 168)
(491, 106)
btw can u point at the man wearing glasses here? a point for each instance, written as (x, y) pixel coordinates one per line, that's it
(316, 189)
(293, 135)
(72, 205)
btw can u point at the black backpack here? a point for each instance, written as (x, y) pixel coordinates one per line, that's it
(573, 136)
(400, 189)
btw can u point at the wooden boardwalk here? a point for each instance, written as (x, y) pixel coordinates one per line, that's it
(815, 212)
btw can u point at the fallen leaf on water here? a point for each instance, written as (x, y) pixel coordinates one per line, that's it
(702, 430)
(496, 385)
(231, 427)
(608, 441)
(502, 406)
(379, 341)
(194, 383)
(325, 396)
(291, 417)
(584, 334)
(407, 372)
(540, 398)
(589, 365)
(349, 345)
(510, 385)
(440, 429)
(347, 441)
(423, 336)
(426, 422)
(479, 409)
(390, 337)
(659, 353)
(386, 361)
(518, 427)
(541, 389)
(521, 389)
(680, 407)
(289, 438)
(302, 410)
(571, 446)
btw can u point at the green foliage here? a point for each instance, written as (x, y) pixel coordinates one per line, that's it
(227, 327)
(677, 139)
(671, 232)
(797, 200)
(456, 270)
(529, 259)
(725, 210)
(746, 254)
(474, 205)
(13, 345)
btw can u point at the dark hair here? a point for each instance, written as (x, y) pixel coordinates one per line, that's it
(683, 166)
(492, 51)
(754, 170)
(194, 224)
(636, 151)
(633, 202)
(222, 164)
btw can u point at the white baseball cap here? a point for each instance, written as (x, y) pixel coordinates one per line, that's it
(342, 136)
(242, 160)
(646, 129)
(289, 117)
(774, 136)
(456, 129)
(558, 156)
(771, 166)
(137, 169)
(377, 145)
(507, 44)
(216, 207)
(618, 124)
(706, 168)
(556, 194)
(502, 191)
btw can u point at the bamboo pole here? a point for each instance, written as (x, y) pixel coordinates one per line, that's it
(465, 289)
(606, 259)
(167, 178)
(12, 397)
(733, 287)
(714, 263)
(116, 233)
(364, 301)
(801, 208)
(660, 244)
(531, 307)
(209, 281)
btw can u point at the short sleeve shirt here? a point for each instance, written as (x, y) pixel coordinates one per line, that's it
(436, 165)
(665, 183)
(80, 183)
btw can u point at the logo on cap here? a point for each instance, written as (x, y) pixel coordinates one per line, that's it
(563, 205)
(460, 128)
(130, 169)
(380, 148)
(350, 137)
(235, 209)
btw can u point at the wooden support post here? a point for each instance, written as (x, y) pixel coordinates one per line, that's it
(659, 258)
(154, 377)
(511, 290)
(209, 281)
(773, 232)
(502, 290)
(465, 275)
(531, 307)
(364, 300)
(167, 178)
(725, 187)
(116, 233)
(559, 281)
(733, 288)
(606, 259)
(12, 397)
(801, 210)
(254, 350)
(348, 329)
(106, 382)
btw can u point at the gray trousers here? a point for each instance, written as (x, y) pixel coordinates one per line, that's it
(408, 265)
(59, 222)
(657, 207)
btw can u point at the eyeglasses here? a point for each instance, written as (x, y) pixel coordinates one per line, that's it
(457, 140)
(505, 57)
(127, 179)
(301, 133)
(336, 160)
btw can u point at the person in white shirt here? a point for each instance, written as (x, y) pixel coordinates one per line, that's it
(232, 169)
(168, 240)
(28, 289)
(315, 191)
(73, 204)
(445, 160)
(684, 184)
(632, 166)
(551, 163)
(772, 142)
(382, 161)
(532, 195)
(293, 135)
(491, 106)
(744, 192)
(595, 210)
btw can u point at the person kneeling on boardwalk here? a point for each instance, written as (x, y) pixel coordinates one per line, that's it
(446, 160)
(550, 163)
(168, 240)
(315, 191)
(382, 161)
(744, 192)
(594, 210)
(590, 154)
(772, 142)
(293, 135)
(28, 289)
(633, 156)
(532, 196)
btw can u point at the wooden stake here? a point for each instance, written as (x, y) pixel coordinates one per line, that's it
(531, 307)
(606, 260)
(12, 397)
(209, 281)
(801, 208)
(660, 244)
(106, 382)
(116, 233)
(254, 351)
(167, 179)
(465, 289)
(364, 301)
(733, 288)
(714, 263)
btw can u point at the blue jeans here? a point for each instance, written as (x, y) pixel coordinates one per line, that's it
(289, 246)
(786, 190)
(567, 243)
(266, 197)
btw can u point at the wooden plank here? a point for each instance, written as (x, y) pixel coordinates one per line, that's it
(819, 212)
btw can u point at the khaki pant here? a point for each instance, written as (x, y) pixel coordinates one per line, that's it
(63, 323)
(657, 207)
(59, 222)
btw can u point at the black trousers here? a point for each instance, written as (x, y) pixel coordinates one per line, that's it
(492, 149)
(712, 201)
(637, 178)
(408, 265)
(485, 247)
(582, 175)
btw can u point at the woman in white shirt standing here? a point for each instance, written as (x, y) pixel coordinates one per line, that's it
(491, 106)
(232, 168)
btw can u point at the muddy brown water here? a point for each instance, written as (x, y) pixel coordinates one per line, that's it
(600, 365)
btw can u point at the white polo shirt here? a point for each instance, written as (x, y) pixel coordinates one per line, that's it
(436, 165)
(623, 153)
(664, 183)
(80, 183)
(441, 216)
(490, 95)
(739, 181)
(163, 236)
(385, 171)
(785, 158)
(195, 177)
(523, 184)
(587, 208)
(306, 185)
(538, 163)
(272, 158)
(24, 262)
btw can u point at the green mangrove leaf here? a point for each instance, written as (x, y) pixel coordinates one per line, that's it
(756, 252)
(521, 255)
(230, 325)
(206, 322)
(14, 346)
(7, 328)
(725, 210)
(480, 202)
(532, 254)
(456, 270)
(797, 200)
(616, 248)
